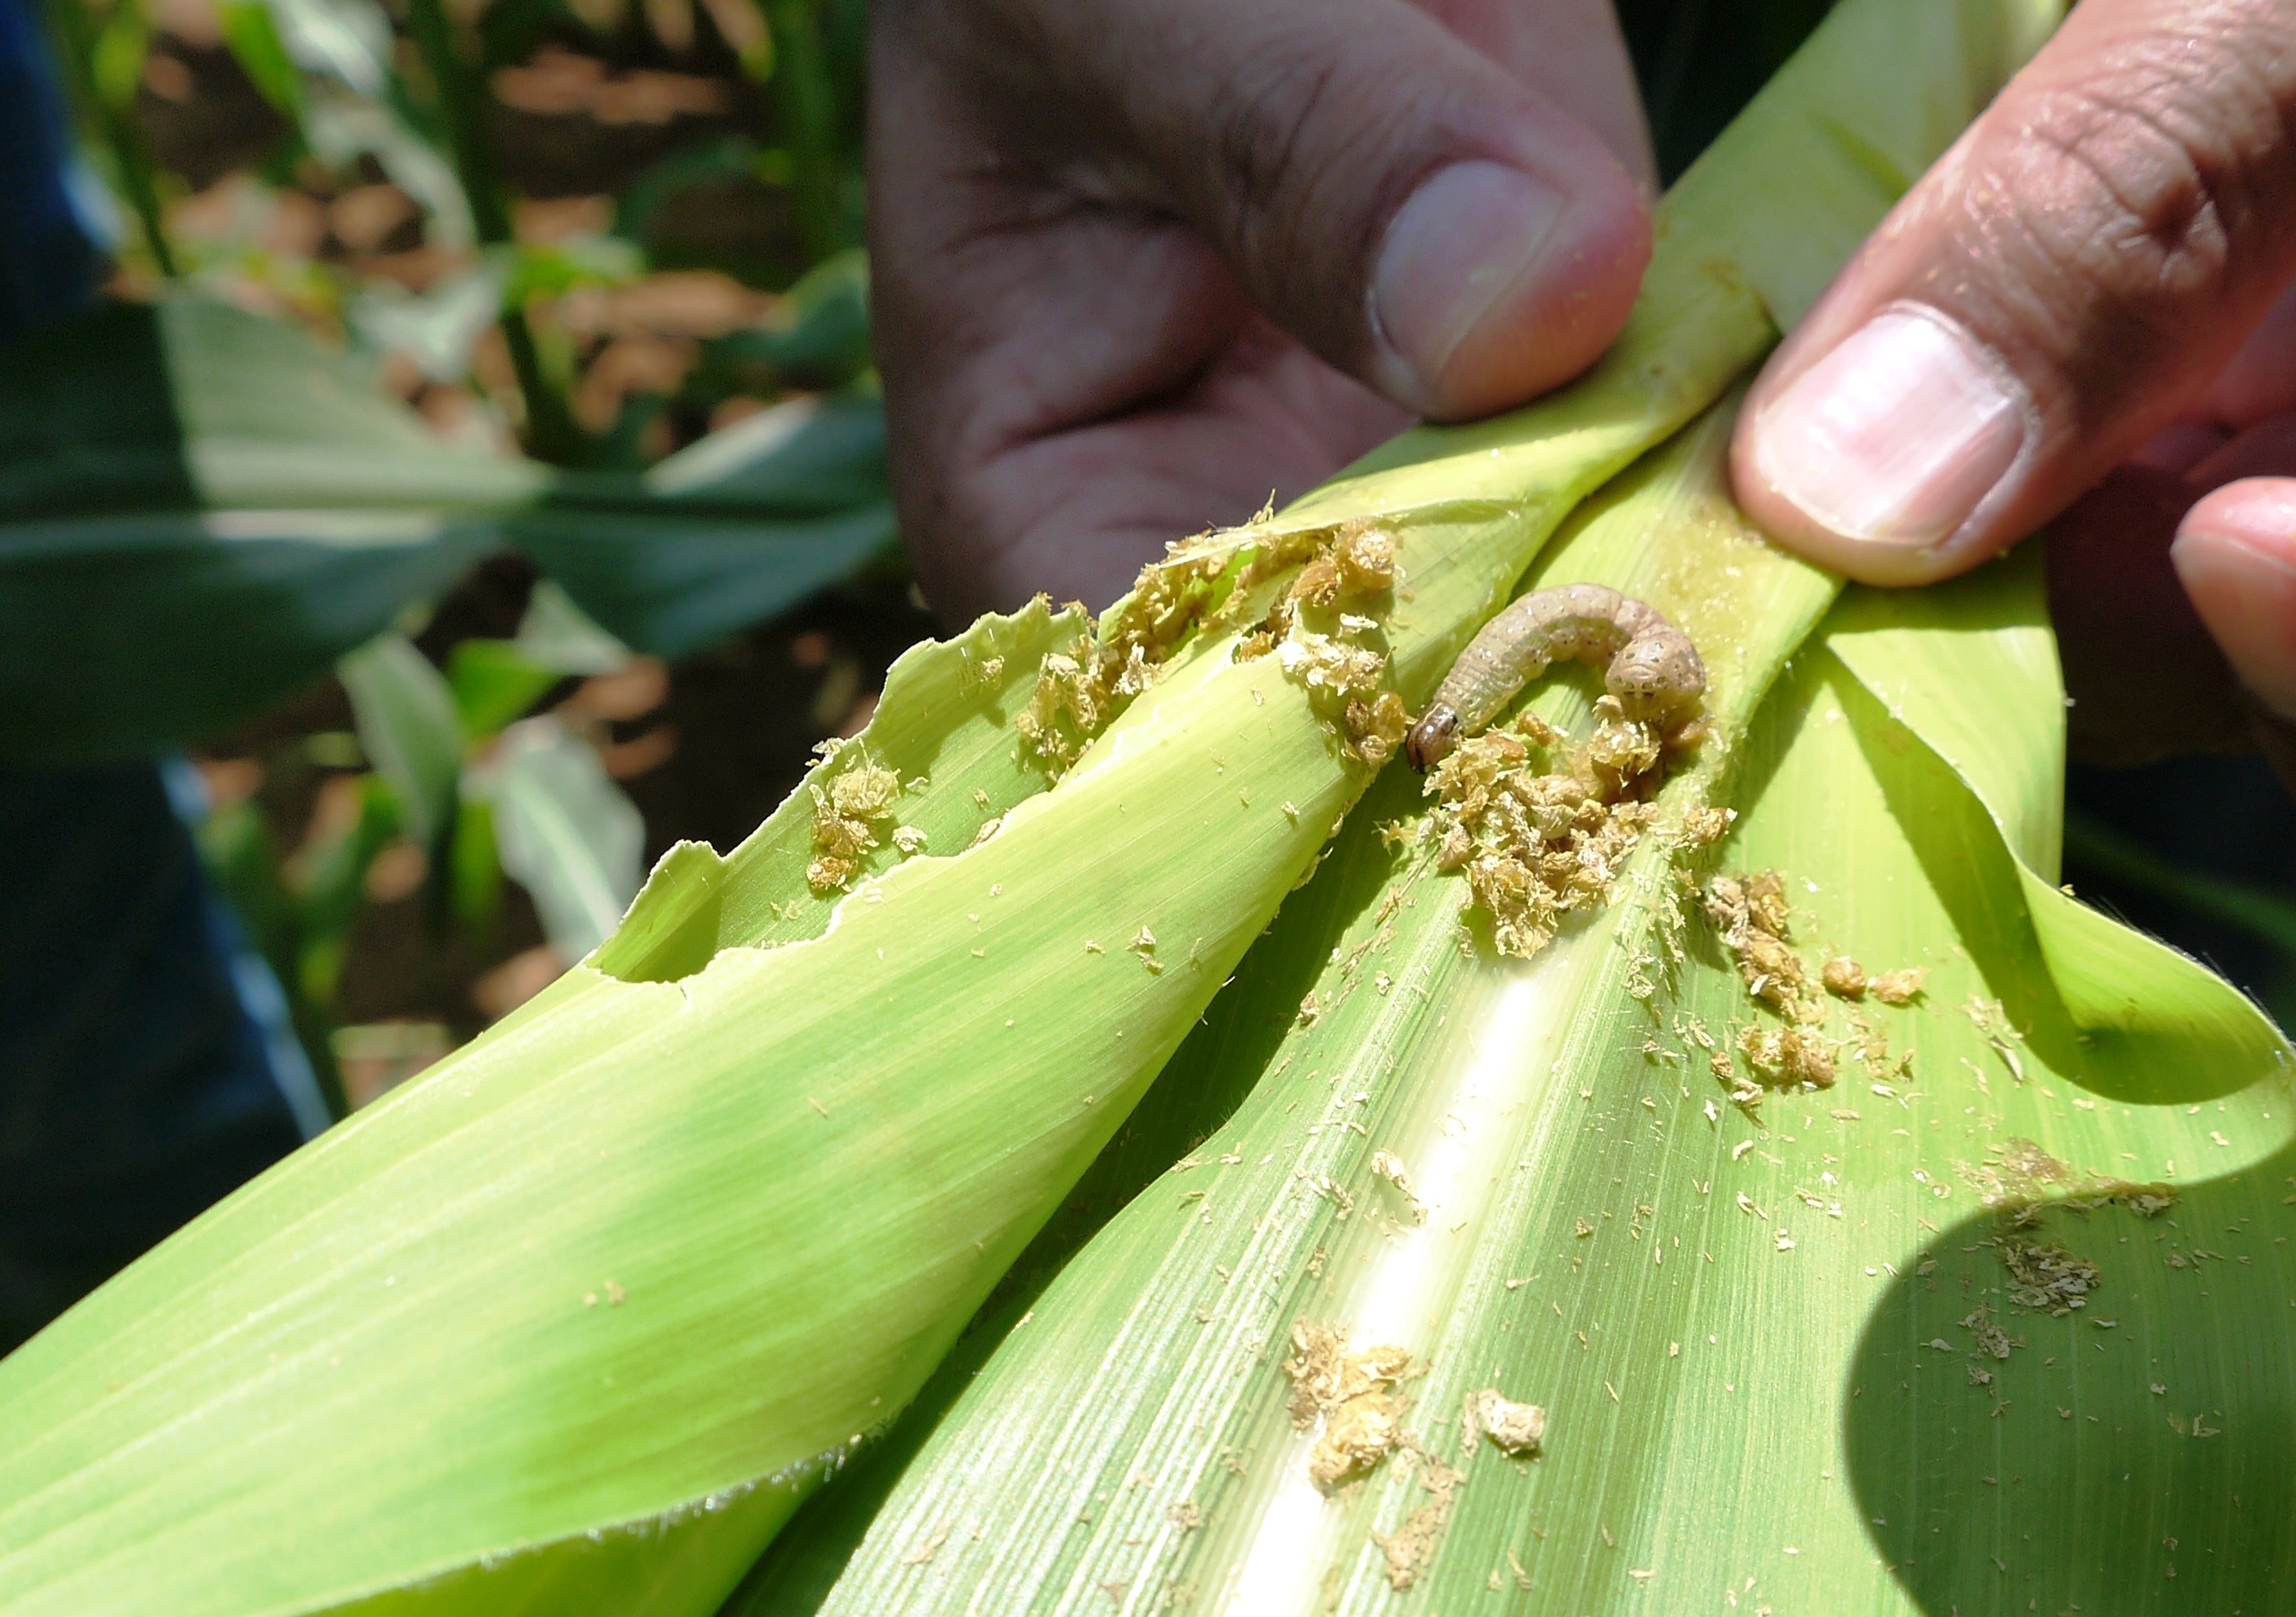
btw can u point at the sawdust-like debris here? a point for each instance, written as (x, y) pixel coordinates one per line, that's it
(2022, 1175)
(1786, 1057)
(1412, 1546)
(1518, 1428)
(1750, 915)
(1900, 987)
(1375, 728)
(1538, 845)
(1354, 1394)
(845, 820)
(1844, 977)
(1389, 1167)
(2048, 1276)
(1359, 563)
(1988, 1333)
(2145, 1201)
(1873, 1047)
(1346, 684)
(1200, 581)
(1704, 826)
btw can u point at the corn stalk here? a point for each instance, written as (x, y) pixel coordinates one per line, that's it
(579, 1320)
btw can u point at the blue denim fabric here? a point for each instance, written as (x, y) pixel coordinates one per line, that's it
(48, 263)
(134, 1088)
(142, 1046)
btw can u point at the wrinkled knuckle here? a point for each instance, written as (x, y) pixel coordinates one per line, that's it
(2128, 202)
(2166, 173)
(1299, 137)
(1264, 118)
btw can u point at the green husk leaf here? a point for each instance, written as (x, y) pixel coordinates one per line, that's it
(1723, 1309)
(1971, 669)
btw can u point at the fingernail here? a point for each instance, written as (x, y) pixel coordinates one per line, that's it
(1459, 245)
(1897, 436)
(2236, 556)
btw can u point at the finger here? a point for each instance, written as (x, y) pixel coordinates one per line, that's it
(1067, 386)
(2064, 284)
(2235, 555)
(2260, 378)
(1399, 202)
(2145, 679)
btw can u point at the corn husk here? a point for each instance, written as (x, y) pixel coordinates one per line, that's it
(576, 1321)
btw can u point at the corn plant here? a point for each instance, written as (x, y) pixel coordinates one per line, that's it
(201, 509)
(580, 1319)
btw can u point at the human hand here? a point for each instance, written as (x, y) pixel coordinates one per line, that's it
(1139, 263)
(2083, 316)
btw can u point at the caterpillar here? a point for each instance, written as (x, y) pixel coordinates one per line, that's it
(1654, 671)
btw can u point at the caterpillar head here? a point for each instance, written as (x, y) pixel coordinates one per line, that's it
(1430, 739)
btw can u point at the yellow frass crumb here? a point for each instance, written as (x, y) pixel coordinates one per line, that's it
(1408, 1549)
(1750, 912)
(1900, 987)
(1536, 844)
(1353, 1392)
(845, 817)
(1844, 977)
(1518, 1429)
(1788, 1055)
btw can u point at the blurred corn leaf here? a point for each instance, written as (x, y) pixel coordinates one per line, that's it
(409, 728)
(438, 328)
(568, 834)
(749, 520)
(200, 509)
(253, 36)
(558, 635)
(348, 41)
(825, 342)
(492, 682)
(576, 1319)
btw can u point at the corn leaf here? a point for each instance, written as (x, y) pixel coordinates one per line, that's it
(195, 515)
(409, 729)
(729, 531)
(568, 834)
(593, 1304)
(1939, 661)
(200, 511)
(1964, 1260)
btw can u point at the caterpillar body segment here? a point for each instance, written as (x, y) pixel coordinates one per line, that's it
(1652, 669)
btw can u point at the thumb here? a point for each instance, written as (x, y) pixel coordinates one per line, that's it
(2075, 271)
(1394, 198)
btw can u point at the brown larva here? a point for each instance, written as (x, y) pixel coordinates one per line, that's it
(1654, 671)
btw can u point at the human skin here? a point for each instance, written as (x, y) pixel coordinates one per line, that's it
(2081, 318)
(1141, 264)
